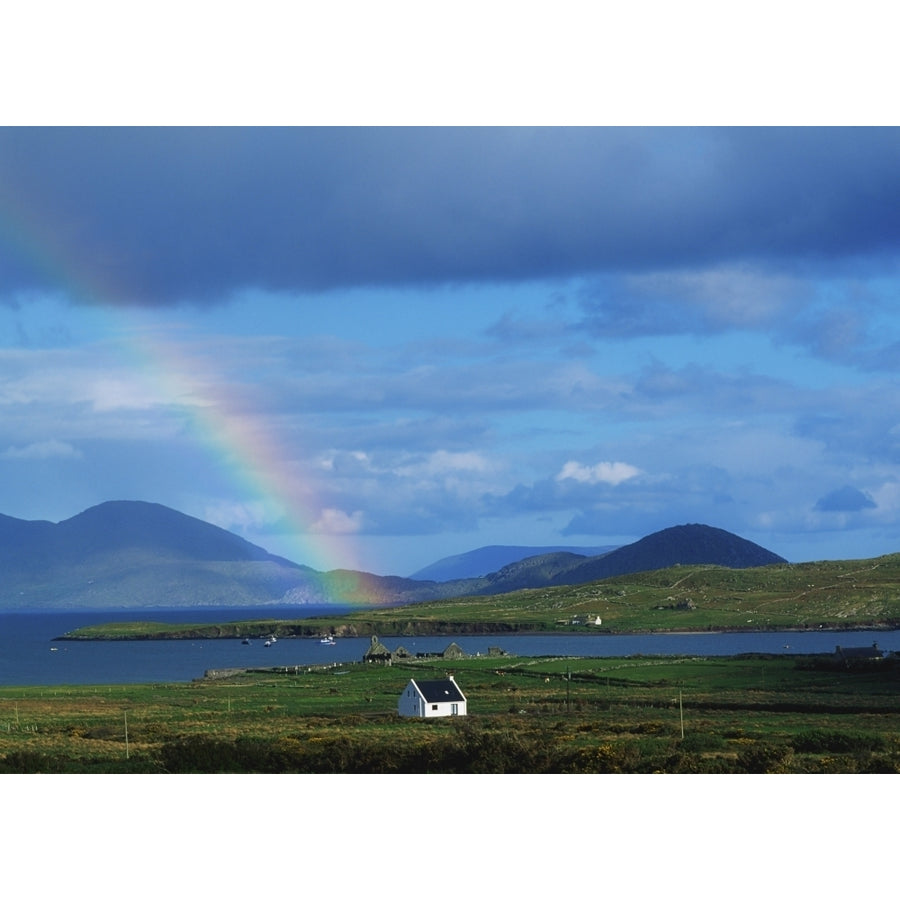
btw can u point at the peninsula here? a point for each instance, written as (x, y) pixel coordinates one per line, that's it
(838, 594)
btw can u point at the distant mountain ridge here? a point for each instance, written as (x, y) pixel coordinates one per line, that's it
(485, 560)
(679, 545)
(132, 554)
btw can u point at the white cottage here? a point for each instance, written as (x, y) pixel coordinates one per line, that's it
(427, 699)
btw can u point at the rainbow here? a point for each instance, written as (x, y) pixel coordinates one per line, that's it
(260, 464)
(267, 473)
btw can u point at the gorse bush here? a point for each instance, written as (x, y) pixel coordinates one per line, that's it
(764, 757)
(824, 741)
(470, 748)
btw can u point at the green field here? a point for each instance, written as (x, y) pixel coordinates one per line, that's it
(836, 594)
(569, 715)
(682, 598)
(572, 715)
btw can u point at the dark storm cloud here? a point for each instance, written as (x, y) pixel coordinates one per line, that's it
(845, 499)
(159, 215)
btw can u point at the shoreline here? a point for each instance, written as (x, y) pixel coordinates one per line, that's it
(468, 630)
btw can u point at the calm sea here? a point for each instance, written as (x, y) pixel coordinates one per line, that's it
(29, 655)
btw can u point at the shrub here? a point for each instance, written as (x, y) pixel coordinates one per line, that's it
(702, 742)
(823, 740)
(765, 757)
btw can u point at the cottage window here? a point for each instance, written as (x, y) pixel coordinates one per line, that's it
(434, 705)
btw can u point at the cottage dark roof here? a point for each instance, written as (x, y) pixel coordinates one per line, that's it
(859, 652)
(442, 691)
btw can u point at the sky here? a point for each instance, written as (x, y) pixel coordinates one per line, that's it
(375, 347)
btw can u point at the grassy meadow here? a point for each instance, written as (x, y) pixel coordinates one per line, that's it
(834, 594)
(750, 713)
(563, 715)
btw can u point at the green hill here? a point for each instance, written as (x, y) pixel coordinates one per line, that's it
(843, 594)
(830, 594)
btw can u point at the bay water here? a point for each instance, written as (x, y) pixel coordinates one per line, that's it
(31, 654)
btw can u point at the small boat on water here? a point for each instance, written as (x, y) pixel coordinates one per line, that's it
(245, 641)
(327, 640)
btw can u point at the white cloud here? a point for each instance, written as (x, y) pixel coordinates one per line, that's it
(443, 462)
(123, 393)
(239, 516)
(603, 472)
(887, 499)
(51, 449)
(469, 461)
(336, 521)
(728, 296)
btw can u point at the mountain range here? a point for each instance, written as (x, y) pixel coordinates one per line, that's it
(485, 560)
(133, 555)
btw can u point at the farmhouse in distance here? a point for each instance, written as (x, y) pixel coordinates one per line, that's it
(429, 699)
